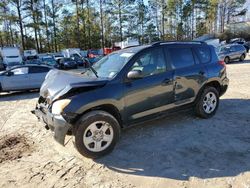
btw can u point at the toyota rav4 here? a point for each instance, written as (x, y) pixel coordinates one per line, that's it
(127, 87)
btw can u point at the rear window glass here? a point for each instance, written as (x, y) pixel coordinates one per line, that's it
(181, 57)
(204, 54)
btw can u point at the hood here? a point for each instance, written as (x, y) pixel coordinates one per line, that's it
(57, 83)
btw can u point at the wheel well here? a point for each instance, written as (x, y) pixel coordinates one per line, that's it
(214, 84)
(109, 108)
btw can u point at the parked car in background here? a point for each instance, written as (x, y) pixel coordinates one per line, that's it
(57, 56)
(48, 60)
(33, 61)
(81, 61)
(30, 54)
(24, 77)
(11, 56)
(70, 51)
(240, 41)
(66, 63)
(130, 86)
(231, 52)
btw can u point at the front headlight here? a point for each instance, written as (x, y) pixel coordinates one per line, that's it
(59, 105)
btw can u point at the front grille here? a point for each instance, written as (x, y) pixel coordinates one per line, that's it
(41, 100)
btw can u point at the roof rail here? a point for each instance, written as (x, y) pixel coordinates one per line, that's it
(170, 41)
(131, 46)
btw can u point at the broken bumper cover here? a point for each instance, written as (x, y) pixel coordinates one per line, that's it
(56, 123)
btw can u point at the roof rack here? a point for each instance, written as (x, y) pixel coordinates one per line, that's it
(131, 46)
(172, 41)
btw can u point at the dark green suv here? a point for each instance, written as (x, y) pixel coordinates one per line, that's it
(130, 86)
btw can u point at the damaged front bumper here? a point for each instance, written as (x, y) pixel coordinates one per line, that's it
(56, 123)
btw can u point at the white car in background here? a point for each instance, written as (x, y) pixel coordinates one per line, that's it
(11, 56)
(24, 77)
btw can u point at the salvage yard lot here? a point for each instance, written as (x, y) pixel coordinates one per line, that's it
(178, 151)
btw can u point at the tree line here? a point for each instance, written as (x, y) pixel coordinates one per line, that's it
(51, 25)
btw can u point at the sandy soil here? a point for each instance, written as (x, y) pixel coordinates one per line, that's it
(178, 151)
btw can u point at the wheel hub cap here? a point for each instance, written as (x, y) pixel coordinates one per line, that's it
(98, 136)
(209, 102)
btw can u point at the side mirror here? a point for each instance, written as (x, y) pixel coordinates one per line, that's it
(9, 73)
(134, 74)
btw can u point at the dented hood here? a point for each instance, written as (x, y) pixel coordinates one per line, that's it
(58, 83)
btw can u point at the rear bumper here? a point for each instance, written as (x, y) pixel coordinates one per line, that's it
(55, 123)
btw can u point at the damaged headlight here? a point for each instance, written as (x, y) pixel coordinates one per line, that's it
(59, 105)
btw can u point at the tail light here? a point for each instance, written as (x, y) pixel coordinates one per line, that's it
(222, 63)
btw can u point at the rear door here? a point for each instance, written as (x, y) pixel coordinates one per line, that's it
(189, 74)
(234, 53)
(37, 75)
(153, 92)
(17, 79)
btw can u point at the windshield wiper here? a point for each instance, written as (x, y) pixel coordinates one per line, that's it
(93, 70)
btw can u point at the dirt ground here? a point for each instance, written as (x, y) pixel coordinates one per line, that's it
(178, 151)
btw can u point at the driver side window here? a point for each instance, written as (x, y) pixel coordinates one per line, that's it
(150, 63)
(20, 71)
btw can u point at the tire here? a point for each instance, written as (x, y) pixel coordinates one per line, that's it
(227, 60)
(207, 109)
(242, 57)
(91, 130)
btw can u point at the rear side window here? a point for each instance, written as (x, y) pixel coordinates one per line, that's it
(204, 54)
(38, 69)
(240, 47)
(181, 57)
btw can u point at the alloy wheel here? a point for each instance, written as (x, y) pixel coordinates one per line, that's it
(98, 136)
(209, 102)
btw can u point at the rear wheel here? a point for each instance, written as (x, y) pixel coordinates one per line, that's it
(207, 103)
(242, 57)
(227, 60)
(97, 134)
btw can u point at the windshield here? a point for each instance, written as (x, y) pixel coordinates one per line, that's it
(110, 65)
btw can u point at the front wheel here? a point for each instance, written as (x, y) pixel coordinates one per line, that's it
(96, 134)
(207, 103)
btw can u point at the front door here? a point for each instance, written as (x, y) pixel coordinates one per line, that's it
(16, 79)
(153, 92)
(37, 75)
